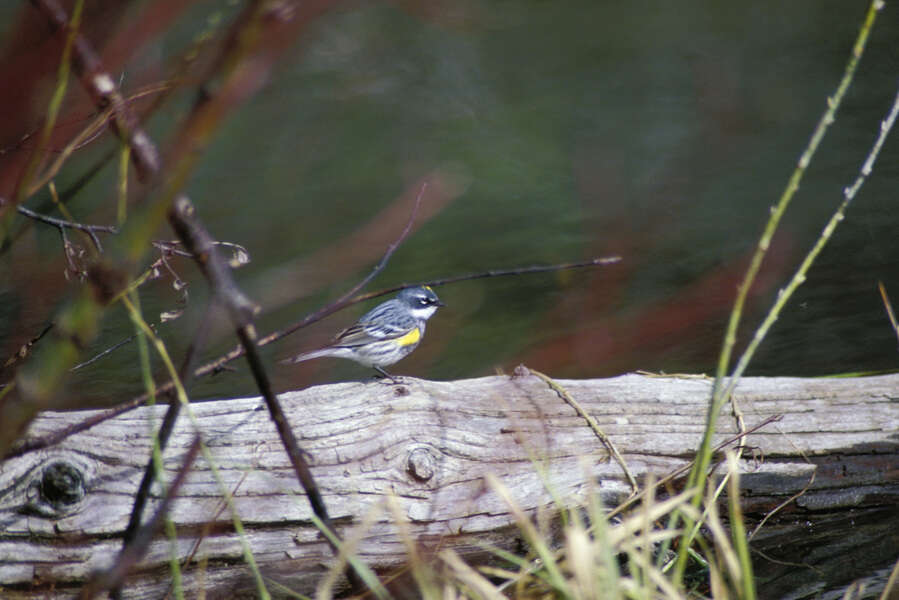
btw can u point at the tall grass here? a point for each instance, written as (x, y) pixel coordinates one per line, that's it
(676, 547)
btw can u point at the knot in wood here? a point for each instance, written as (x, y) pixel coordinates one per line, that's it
(62, 485)
(58, 490)
(421, 464)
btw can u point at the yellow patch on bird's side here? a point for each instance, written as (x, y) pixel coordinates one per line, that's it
(410, 338)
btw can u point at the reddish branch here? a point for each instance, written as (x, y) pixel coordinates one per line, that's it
(101, 86)
(135, 551)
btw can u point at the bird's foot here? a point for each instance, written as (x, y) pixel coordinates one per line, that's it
(384, 377)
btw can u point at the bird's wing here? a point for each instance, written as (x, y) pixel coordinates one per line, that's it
(365, 332)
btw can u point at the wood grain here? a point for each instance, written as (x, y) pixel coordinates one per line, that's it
(429, 445)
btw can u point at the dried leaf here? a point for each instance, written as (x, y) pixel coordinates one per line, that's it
(170, 315)
(239, 255)
(239, 258)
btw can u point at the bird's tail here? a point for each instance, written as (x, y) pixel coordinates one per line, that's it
(307, 356)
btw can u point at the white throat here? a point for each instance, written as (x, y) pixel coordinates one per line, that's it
(423, 314)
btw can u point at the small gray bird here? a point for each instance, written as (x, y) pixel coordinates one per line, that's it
(385, 334)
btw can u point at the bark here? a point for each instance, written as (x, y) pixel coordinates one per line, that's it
(428, 445)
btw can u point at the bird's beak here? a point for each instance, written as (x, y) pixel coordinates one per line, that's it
(441, 303)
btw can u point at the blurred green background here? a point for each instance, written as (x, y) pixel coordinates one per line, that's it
(547, 132)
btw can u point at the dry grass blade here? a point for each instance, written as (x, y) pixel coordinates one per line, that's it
(533, 537)
(468, 577)
(721, 539)
(889, 307)
(619, 535)
(346, 555)
(422, 572)
(580, 555)
(892, 583)
(668, 589)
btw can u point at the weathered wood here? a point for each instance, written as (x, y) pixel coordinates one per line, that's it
(428, 444)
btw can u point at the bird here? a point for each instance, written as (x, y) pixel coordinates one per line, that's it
(384, 335)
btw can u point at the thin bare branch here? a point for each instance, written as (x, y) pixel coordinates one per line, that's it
(242, 310)
(260, 39)
(347, 298)
(25, 350)
(168, 425)
(219, 364)
(735, 439)
(62, 224)
(132, 553)
(593, 262)
(594, 426)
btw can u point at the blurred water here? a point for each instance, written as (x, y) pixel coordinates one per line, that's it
(549, 132)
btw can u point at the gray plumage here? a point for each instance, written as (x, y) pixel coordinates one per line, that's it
(385, 334)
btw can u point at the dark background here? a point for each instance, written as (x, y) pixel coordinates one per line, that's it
(548, 132)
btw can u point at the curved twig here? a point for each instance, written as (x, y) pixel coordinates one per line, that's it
(63, 224)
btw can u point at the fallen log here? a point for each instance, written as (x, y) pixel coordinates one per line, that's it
(428, 445)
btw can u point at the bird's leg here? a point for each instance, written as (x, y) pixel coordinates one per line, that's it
(387, 375)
